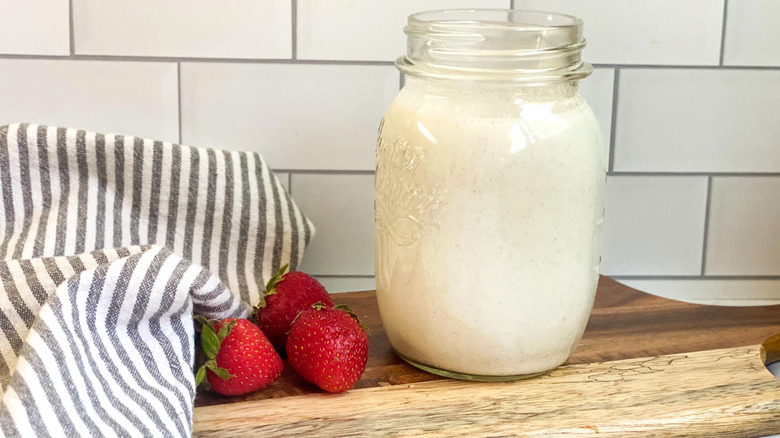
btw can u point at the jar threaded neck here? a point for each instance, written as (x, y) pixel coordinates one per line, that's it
(494, 45)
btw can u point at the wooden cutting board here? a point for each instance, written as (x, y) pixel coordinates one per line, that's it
(646, 366)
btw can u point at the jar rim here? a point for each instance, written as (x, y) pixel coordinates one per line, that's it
(448, 17)
(494, 45)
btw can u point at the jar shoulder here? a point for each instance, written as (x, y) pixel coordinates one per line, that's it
(433, 118)
(488, 130)
(492, 102)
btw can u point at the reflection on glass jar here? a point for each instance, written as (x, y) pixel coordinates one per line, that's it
(489, 186)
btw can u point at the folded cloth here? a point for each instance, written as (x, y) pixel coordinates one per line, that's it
(107, 247)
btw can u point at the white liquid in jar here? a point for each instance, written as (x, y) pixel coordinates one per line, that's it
(489, 207)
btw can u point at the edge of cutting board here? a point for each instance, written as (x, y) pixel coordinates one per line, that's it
(726, 392)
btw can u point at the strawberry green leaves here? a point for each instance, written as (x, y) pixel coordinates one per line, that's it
(200, 376)
(238, 357)
(221, 372)
(210, 342)
(225, 330)
(352, 314)
(270, 287)
(287, 295)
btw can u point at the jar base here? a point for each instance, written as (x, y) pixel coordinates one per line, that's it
(462, 376)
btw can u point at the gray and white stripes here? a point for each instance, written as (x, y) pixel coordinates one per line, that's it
(96, 335)
(110, 351)
(66, 191)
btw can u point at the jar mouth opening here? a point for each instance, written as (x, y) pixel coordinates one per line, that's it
(495, 44)
(501, 18)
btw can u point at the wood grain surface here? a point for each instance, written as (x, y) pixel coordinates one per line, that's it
(647, 365)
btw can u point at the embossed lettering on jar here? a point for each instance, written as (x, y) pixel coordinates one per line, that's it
(489, 187)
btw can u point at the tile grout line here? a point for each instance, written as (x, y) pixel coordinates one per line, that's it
(161, 59)
(613, 121)
(122, 58)
(178, 85)
(723, 31)
(294, 6)
(71, 31)
(342, 276)
(325, 171)
(289, 183)
(706, 225)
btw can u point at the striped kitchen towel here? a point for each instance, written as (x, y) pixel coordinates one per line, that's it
(108, 244)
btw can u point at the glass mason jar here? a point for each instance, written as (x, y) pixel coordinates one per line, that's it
(489, 185)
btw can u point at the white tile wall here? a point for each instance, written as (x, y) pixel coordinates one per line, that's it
(744, 228)
(347, 284)
(137, 98)
(711, 291)
(284, 178)
(303, 91)
(367, 30)
(184, 28)
(653, 225)
(753, 33)
(670, 32)
(298, 116)
(597, 91)
(34, 27)
(693, 120)
(342, 208)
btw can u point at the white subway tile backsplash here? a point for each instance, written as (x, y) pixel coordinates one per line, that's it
(135, 98)
(752, 33)
(184, 28)
(653, 225)
(347, 284)
(713, 291)
(693, 120)
(342, 209)
(34, 27)
(316, 121)
(597, 91)
(297, 116)
(369, 30)
(744, 228)
(667, 32)
(284, 179)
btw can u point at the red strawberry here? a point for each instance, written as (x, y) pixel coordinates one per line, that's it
(285, 296)
(240, 358)
(328, 347)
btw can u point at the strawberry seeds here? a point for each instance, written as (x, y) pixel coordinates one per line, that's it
(326, 345)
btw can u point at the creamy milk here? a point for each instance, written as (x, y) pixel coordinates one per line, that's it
(489, 207)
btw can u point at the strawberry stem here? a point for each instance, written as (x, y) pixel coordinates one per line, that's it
(319, 305)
